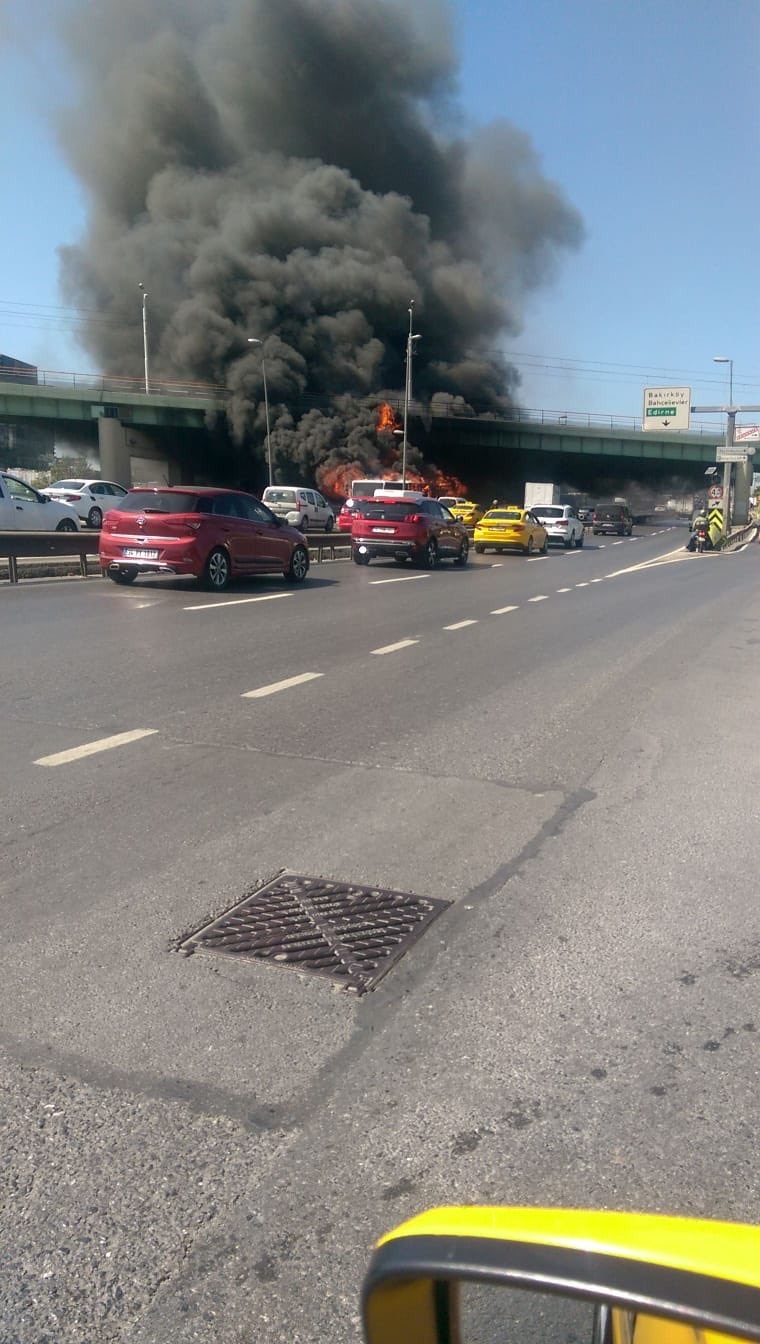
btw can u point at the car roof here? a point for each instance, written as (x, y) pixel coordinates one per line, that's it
(187, 490)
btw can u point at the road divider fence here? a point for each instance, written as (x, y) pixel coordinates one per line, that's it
(41, 546)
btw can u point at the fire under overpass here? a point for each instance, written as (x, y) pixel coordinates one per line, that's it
(175, 424)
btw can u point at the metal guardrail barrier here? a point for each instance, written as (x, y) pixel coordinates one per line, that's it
(740, 536)
(15, 546)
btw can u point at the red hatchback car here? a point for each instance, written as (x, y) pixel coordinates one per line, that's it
(216, 535)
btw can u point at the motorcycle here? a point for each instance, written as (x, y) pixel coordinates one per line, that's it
(699, 540)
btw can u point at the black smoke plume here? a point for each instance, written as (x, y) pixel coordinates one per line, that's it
(298, 171)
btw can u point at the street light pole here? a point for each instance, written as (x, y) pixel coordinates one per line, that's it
(145, 335)
(407, 390)
(730, 428)
(254, 340)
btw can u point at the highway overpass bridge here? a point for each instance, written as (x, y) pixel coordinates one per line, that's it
(493, 455)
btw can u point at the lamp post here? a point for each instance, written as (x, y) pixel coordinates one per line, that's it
(254, 340)
(411, 338)
(730, 426)
(145, 335)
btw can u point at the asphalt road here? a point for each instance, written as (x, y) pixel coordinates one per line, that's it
(563, 748)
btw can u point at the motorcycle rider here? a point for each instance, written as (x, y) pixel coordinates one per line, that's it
(699, 521)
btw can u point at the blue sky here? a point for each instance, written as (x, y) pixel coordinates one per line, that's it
(644, 111)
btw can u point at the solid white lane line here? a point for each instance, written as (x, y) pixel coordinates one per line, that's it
(91, 748)
(405, 578)
(502, 611)
(393, 648)
(581, 585)
(541, 598)
(564, 590)
(459, 625)
(281, 685)
(237, 602)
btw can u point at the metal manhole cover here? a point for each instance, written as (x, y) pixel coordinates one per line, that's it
(351, 934)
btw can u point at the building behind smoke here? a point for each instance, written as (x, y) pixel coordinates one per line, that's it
(14, 370)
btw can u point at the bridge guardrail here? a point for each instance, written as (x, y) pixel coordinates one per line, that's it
(15, 546)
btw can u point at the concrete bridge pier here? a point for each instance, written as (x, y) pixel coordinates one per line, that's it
(131, 457)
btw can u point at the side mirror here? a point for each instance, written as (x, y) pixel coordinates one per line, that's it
(481, 1275)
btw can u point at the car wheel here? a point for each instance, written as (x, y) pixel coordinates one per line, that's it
(630, 531)
(299, 565)
(66, 525)
(570, 543)
(464, 553)
(216, 571)
(429, 556)
(95, 518)
(330, 524)
(479, 549)
(362, 558)
(528, 550)
(581, 540)
(304, 523)
(544, 550)
(122, 576)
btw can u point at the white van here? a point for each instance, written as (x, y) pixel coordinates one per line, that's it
(301, 508)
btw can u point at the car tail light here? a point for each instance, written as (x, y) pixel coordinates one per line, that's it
(560, 522)
(413, 518)
(194, 523)
(71, 499)
(356, 514)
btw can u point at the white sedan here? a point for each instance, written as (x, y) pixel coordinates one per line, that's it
(562, 524)
(91, 498)
(22, 508)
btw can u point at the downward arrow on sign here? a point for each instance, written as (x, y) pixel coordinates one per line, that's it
(665, 424)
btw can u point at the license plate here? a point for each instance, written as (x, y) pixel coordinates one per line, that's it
(133, 554)
(384, 529)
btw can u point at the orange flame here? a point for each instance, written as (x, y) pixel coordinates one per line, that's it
(336, 481)
(386, 419)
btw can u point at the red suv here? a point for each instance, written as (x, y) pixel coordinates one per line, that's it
(217, 535)
(411, 527)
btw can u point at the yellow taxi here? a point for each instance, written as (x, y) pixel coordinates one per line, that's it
(465, 510)
(510, 528)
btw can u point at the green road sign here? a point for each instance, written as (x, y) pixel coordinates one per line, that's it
(661, 411)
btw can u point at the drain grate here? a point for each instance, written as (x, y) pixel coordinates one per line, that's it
(350, 933)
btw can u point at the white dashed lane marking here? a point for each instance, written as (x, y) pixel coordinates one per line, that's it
(405, 578)
(597, 580)
(542, 597)
(502, 611)
(237, 602)
(581, 585)
(459, 625)
(564, 590)
(498, 564)
(91, 748)
(394, 648)
(281, 685)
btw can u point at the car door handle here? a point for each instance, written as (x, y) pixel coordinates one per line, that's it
(20, 508)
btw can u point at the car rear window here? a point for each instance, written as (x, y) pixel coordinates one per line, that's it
(391, 510)
(67, 485)
(511, 515)
(159, 501)
(609, 510)
(279, 496)
(550, 511)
